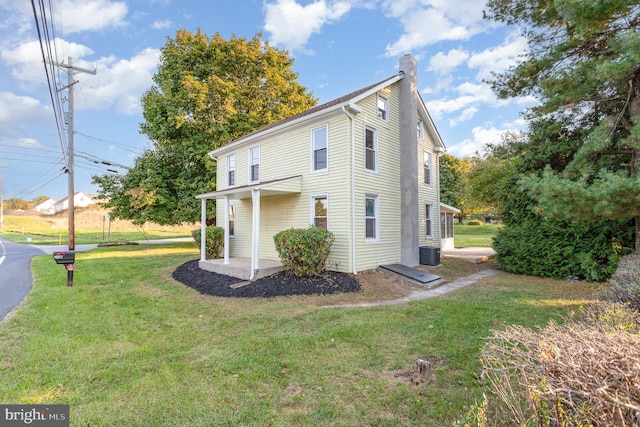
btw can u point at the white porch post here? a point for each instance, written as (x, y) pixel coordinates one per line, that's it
(203, 230)
(226, 230)
(255, 233)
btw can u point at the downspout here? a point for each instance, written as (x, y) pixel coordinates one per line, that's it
(353, 190)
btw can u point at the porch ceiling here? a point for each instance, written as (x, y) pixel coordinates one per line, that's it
(276, 187)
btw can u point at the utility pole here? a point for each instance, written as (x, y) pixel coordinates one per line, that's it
(72, 245)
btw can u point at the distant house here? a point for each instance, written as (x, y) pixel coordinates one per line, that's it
(365, 166)
(47, 207)
(80, 200)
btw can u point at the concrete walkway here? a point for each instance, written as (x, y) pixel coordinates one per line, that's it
(430, 293)
(476, 255)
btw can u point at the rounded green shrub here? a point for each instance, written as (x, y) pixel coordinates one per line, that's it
(475, 222)
(214, 242)
(304, 251)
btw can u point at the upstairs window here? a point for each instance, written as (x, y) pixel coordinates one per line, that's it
(320, 211)
(427, 167)
(382, 108)
(370, 149)
(254, 163)
(319, 142)
(231, 170)
(419, 129)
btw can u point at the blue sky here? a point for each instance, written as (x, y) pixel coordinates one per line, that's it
(338, 46)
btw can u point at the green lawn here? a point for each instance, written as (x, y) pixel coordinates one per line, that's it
(474, 235)
(127, 346)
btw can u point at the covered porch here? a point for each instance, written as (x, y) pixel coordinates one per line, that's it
(244, 267)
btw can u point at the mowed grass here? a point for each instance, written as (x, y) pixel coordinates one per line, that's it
(474, 235)
(91, 226)
(128, 346)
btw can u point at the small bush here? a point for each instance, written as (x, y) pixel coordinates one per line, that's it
(625, 283)
(475, 222)
(304, 251)
(215, 241)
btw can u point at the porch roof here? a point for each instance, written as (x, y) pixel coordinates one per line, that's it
(275, 187)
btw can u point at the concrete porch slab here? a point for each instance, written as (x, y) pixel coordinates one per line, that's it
(240, 267)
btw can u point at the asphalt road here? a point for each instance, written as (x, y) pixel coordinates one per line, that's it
(15, 274)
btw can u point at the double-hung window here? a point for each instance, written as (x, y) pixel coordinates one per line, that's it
(372, 221)
(319, 143)
(320, 211)
(254, 164)
(426, 159)
(231, 170)
(419, 129)
(370, 149)
(382, 108)
(428, 220)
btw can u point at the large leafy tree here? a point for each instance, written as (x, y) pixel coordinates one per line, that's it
(208, 91)
(583, 147)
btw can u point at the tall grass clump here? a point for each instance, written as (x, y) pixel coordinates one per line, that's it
(625, 283)
(581, 373)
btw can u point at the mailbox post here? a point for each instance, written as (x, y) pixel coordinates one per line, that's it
(66, 258)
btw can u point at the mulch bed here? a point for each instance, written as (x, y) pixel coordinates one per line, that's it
(279, 284)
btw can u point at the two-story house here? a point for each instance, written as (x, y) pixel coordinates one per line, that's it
(364, 166)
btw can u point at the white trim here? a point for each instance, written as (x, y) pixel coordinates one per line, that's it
(312, 207)
(225, 224)
(324, 126)
(255, 233)
(203, 230)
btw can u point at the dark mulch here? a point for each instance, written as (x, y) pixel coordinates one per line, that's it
(280, 284)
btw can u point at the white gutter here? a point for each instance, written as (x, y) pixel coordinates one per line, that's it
(356, 109)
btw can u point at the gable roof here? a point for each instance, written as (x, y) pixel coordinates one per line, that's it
(335, 104)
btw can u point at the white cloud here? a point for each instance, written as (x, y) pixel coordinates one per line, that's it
(25, 60)
(119, 83)
(498, 58)
(161, 24)
(443, 63)
(427, 22)
(19, 113)
(291, 24)
(481, 137)
(92, 15)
